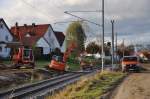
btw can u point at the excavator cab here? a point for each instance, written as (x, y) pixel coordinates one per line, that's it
(28, 55)
(57, 63)
(23, 57)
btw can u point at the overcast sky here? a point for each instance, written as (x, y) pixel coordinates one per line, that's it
(132, 17)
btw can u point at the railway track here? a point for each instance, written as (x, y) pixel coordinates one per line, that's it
(42, 87)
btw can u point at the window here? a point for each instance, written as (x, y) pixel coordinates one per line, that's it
(6, 37)
(5, 49)
(26, 53)
(1, 25)
(130, 59)
(0, 49)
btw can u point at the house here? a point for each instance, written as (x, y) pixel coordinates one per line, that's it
(41, 36)
(5, 36)
(61, 39)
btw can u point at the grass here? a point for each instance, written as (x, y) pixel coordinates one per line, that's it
(89, 88)
(7, 61)
(73, 66)
(41, 63)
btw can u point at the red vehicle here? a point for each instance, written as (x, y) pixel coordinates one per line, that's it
(130, 63)
(23, 57)
(59, 62)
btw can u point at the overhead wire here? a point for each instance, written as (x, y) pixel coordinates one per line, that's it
(45, 14)
(85, 11)
(36, 9)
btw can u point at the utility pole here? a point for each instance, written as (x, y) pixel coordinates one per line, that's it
(112, 22)
(103, 27)
(116, 49)
(123, 48)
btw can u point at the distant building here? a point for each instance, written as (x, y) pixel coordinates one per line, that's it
(61, 39)
(41, 36)
(5, 36)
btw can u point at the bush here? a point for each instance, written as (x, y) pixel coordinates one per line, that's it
(73, 63)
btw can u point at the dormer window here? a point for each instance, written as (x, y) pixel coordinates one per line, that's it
(28, 35)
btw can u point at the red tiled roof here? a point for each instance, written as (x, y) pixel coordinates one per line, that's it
(34, 31)
(60, 37)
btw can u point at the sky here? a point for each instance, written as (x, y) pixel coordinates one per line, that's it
(132, 17)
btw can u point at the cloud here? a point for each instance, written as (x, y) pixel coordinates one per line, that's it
(131, 17)
(75, 2)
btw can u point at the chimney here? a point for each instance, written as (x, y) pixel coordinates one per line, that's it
(33, 29)
(25, 25)
(16, 29)
(33, 24)
(16, 24)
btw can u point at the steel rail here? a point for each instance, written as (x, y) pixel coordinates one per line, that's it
(29, 89)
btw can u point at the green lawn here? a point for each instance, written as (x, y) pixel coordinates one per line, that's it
(41, 63)
(7, 62)
(73, 66)
(89, 88)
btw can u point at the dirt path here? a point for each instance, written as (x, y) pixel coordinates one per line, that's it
(136, 86)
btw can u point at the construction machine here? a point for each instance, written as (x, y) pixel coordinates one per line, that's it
(22, 57)
(58, 62)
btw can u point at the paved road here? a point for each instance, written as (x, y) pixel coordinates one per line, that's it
(136, 86)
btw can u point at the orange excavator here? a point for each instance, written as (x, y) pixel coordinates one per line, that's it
(59, 62)
(22, 57)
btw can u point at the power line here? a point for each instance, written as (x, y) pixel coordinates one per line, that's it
(67, 21)
(85, 11)
(82, 18)
(35, 8)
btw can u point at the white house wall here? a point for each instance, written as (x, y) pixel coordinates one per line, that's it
(42, 43)
(51, 38)
(6, 37)
(48, 42)
(46, 50)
